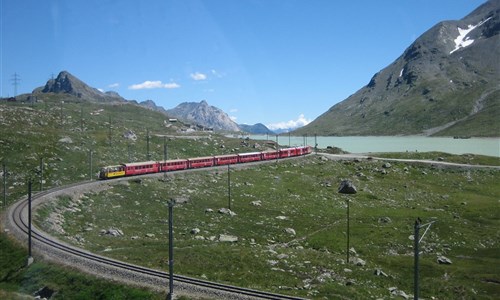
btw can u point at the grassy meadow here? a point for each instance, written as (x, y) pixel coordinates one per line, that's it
(291, 227)
(290, 222)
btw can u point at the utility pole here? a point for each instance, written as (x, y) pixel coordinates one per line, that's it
(109, 133)
(417, 240)
(90, 164)
(81, 116)
(170, 250)
(4, 169)
(147, 145)
(277, 149)
(164, 157)
(41, 174)
(315, 143)
(346, 187)
(229, 184)
(30, 258)
(62, 114)
(15, 82)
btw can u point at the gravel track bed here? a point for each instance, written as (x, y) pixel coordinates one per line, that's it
(42, 250)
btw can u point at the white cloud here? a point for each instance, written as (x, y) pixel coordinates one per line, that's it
(233, 118)
(154, 85)
(198, 76)
(233, 110)
(113, 85)
(292, 124)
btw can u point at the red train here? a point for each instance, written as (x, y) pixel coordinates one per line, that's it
(147, 167)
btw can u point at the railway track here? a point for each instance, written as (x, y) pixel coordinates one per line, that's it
(58, 251)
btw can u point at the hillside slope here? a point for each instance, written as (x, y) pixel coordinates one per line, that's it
(446, 83)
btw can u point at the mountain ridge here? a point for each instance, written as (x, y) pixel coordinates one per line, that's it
(445, 77)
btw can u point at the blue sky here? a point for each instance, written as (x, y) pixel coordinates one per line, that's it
(276, 62)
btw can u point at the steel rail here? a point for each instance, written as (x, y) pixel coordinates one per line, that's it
(18, 217)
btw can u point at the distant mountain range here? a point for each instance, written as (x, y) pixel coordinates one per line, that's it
(445, 83)
(190, 112)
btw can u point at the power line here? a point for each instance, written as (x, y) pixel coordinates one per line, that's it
(15, 82)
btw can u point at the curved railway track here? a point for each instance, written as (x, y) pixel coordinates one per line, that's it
(55, 250)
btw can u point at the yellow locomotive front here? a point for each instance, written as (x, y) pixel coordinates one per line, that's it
(111, 172)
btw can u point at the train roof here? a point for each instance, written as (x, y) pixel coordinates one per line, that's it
(248, 153)
(197, 158)
(140, 163)
(226, 155)
(172, 160)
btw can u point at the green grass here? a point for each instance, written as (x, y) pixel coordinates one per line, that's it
(470, 159)
(17, 280)
(312, 263)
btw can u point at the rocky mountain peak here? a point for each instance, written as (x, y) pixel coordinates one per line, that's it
(203, 114)
(66, 83)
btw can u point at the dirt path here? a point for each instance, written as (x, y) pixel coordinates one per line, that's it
(423, 161)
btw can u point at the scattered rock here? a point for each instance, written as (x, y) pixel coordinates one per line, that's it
(290, 231)
(113, 232)
(226, 211)
(357, 261)
(256, 203)
(195, 231)
(130, 135)
(281, 217)
(346, 187)
(150, 235)
(44, 293)
(395, 292)
(384, 220)
(282, 256)
(387, 165)
(379, 272)
(209, 210)
(228, 238)
(66, 140)
(442, 260)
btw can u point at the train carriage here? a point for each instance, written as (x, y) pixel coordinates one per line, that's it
(200, 162)
(249, 157)
(303, 150)
(229, 159)
(141, 168)
(173, 165)
(267, 155)
(288, 152)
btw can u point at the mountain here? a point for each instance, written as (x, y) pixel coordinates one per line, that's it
(203, 114)
(151, 105)
(258, 128)
(66, 83)
(446, 83)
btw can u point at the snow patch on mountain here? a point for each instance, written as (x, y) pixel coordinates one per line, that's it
(462, 40)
